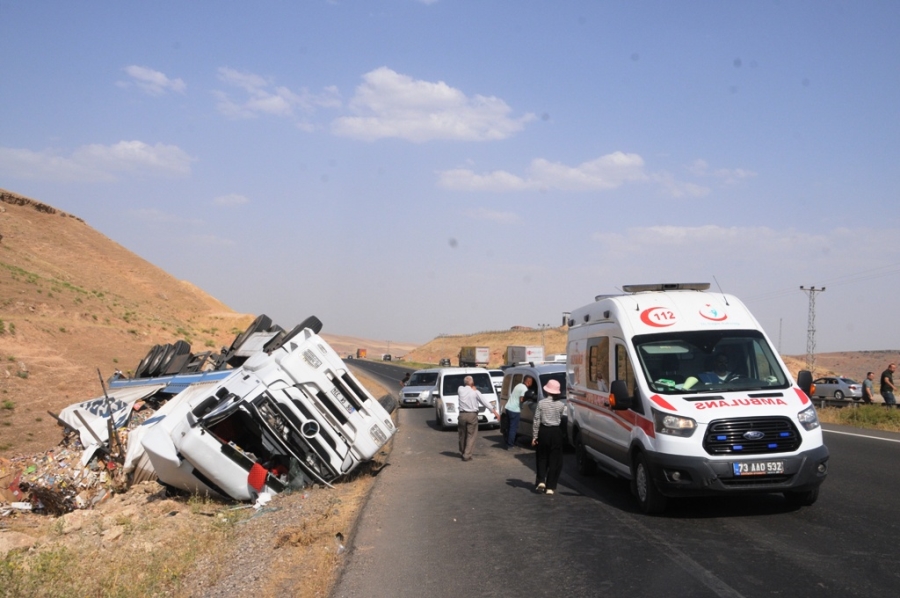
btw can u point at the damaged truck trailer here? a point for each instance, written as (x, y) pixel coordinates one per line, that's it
(289, 415)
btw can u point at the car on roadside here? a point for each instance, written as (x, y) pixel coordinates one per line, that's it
(497, 379)
(542, 373)
(446, 399)
(838, 388)
(445, 362)
(419, 389)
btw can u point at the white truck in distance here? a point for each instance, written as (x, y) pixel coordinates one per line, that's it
(524, 354)
(474, 357)
(680, 391)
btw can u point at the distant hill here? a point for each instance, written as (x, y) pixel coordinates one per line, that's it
(853, 364)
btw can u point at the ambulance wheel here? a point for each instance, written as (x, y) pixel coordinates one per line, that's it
(804, 498)
(583, 462)
(650, 499)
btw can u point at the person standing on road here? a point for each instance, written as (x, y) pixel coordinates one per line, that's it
(469, 397)
(868, 388)
(514, 409)
(547, 435)
(887, 385)
(405, 380)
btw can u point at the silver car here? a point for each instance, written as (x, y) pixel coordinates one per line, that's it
(419, 390)
(838, 388)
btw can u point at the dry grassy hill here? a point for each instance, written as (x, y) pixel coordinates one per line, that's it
(448, 346)
(72, 301)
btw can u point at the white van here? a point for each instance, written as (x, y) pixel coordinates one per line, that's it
(680, 391)
(446, 396)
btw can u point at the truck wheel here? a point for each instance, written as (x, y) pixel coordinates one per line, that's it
(650, 499)
(803, 498)
(583, 462)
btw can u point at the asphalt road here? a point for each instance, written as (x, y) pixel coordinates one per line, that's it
(435, 526)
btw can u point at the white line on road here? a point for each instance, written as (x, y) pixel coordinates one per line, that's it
(862, 435)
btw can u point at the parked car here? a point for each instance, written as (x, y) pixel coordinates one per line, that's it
(542, 373)
(446, 400)
(419, 390)
(386, 357)
(445, 362)
(497, 380)
(838, 388)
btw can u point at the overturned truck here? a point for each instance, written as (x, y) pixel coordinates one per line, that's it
(276, 410)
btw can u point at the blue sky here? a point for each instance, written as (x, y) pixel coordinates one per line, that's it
(404, 168)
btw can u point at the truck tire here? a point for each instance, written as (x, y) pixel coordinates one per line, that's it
(802, 498)
(583, 462)
(650, 499)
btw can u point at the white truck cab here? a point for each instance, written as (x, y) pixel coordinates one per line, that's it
(680, 391)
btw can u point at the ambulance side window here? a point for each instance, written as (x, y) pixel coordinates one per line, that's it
(598, 363)
(625, 371)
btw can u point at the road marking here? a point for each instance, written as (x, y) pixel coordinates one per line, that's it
(862, 435)
(679, 557)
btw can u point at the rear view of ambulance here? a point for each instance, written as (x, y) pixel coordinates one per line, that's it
(680, 391)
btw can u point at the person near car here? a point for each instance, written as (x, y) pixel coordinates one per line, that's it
(405, 380)
(547, 436)
(868, 389)
(469, 398)
(514, 409)
(887, 385)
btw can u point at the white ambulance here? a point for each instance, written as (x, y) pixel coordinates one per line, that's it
(680, 391)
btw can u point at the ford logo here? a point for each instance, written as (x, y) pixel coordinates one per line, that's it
(754, 435)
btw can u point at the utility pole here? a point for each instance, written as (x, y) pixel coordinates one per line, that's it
(811, 328)
(543, 346)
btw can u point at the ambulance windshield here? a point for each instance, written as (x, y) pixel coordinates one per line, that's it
(709, 362)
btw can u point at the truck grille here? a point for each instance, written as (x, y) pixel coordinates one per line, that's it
(751, 436)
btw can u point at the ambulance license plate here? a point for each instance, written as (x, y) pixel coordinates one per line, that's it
(758, 467)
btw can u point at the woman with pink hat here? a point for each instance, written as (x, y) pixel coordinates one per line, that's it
(547, 436)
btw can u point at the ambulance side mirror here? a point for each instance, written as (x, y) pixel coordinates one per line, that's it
(805, 382)
(619, 399)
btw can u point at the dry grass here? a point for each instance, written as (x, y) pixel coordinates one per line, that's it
(872, 417)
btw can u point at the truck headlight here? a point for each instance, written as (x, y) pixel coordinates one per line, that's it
(673, 425)
(808, 418)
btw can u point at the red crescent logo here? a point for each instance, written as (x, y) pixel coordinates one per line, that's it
(658, 317)
(711, 313)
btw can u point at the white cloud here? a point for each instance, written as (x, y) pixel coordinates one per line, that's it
(97, 162)
(493, 216)
(729, 176)
(230, 200)
(606, 172)
(262, 97)
(499, 180)
(154, 82)
(388, 104)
